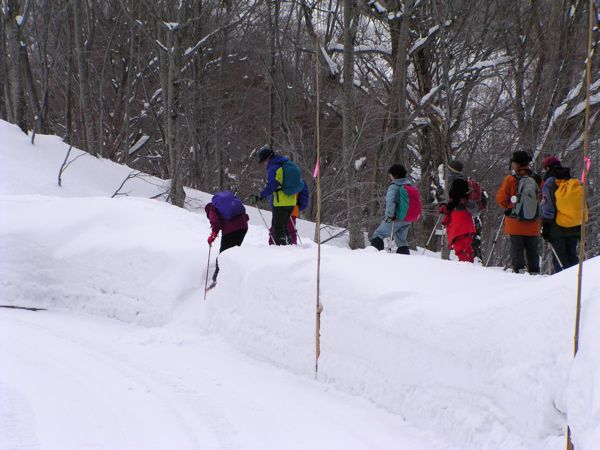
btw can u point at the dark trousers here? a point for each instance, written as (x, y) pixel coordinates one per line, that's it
(521, 247)
(566, 249)
(229, 240)
(279, 224)
(477, 237)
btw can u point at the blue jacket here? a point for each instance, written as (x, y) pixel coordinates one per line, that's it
(303, 198)
(275, 181)
(391, 197)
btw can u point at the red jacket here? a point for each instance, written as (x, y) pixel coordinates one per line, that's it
(458, 223)
(228, 226)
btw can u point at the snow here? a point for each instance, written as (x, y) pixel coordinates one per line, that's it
(360, 163)
(333, 68)
(416, 352)
(139, 144)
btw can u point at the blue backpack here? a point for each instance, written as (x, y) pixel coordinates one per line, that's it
(292, 178)
(228, 205)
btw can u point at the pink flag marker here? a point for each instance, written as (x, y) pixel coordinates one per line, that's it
(586, 169)
(316, 171)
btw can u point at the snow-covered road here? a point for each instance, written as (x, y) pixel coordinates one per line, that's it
(119, 386)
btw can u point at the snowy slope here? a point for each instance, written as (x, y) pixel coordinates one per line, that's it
(438, 354)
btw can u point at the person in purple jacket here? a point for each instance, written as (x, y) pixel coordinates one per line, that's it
(233, 228)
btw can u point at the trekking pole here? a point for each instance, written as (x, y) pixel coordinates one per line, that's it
(391, 236)
(207, 268)
(487, 262)
(265, 223)
(560, 264)
(432, 233)
(296, 230)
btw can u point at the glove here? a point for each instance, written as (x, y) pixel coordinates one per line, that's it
(443, 208)
(390, 219)
(254, 199)
(507, 211)
(212, 237)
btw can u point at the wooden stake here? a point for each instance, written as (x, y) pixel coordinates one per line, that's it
(319, 307)
(586, 143)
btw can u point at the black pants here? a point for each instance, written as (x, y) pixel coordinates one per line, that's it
(476, 242)
(566, 249)
(521, 247)
(229, 240)
(279, 224)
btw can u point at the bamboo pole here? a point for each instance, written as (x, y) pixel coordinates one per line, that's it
(319, 307)
(586, 144)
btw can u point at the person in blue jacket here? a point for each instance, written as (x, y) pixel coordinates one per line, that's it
(301, 204)
(283, 204)
(397, 176)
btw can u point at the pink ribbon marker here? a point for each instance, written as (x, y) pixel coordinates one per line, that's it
(316, 171)
(587, 163)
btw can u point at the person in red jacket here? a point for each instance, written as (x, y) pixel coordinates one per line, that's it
(233, 230)
(459, 224)
(523, 231)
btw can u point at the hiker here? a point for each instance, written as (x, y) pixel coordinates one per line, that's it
(227, 214)
(284, 181)
(519, 195)
(562, 198)
(402, 206)
(458, 221)
(475, 203)
(301, 204)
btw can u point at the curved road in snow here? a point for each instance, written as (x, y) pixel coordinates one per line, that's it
(82, 382)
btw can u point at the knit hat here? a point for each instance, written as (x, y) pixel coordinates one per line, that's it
(520, 157)
(397, 171)
(551, 161)
(455, 166)
(264, 153)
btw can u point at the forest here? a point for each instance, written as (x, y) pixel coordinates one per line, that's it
(187, 89)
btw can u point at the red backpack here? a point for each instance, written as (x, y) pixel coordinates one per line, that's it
(408, 206)
(476, 200)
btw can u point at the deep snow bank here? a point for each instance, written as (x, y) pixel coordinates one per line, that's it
(481, 354)
(130, 258)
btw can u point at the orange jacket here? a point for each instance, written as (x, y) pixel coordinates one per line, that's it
(517, 227)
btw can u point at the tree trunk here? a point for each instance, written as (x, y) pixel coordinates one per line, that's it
(13, 35)
(3, 74)
(396, 133)
(172, 110)
(348, 128)
(85, 101)
(34, 103)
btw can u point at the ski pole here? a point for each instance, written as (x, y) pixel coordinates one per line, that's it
(487, 262)
(207, 268)
(432, 233)
(391, 236)
(266, 226)
(560, 264)
(296, 230)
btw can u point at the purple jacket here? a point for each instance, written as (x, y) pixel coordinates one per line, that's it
(226, 226)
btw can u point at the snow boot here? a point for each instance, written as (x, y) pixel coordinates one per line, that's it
(403, 250)
(377, 242)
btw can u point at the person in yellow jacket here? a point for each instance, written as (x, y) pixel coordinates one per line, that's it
(562, 234)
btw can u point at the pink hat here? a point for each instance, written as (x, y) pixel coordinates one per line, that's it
(551, 161)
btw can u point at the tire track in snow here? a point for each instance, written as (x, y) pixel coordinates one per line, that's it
(198, 417)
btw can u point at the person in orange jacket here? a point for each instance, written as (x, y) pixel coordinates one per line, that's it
(522, 210)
